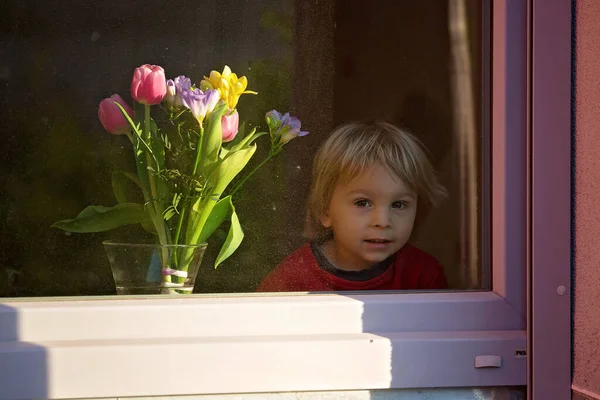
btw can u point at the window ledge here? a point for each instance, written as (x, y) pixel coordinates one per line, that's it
(201, 316)
(261, 363)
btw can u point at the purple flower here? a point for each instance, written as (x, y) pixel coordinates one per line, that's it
(273, 119)
(200, 103)
(283, 128)
(175, 88)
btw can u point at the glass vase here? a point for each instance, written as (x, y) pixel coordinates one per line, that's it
(145, 269)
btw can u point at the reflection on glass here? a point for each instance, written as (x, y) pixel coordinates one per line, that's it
(416, 65)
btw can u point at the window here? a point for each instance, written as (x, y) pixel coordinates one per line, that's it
(302, 57)
(251, 343)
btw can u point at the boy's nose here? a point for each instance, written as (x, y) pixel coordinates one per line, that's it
(381, 217)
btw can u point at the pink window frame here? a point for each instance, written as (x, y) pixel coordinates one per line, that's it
(549, 276)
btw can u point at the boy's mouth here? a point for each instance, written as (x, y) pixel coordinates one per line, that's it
(379, 241)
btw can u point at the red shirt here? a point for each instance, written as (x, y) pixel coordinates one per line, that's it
(300, 272)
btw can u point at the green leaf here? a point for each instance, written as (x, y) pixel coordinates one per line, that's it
(120, 181)
(100, 219)
(248, 140)
(172, 210)
(149, 226)
(213, 136)
(254, 137)
(216, 217)
(168, 213)
(224, 152)
(233, 241)
(136, 126)
(228, 169)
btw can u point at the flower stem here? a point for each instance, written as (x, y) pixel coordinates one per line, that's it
(198, 150)
(187, 189)
(151, 180)
(157, 218)
(182, 214)
(179, 225)
(241, 183)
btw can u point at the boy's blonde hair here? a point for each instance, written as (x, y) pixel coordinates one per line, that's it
(354, 147)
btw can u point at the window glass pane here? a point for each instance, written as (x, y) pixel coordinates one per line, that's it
(419, 66)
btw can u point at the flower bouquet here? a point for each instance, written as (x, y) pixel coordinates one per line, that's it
(186, 157)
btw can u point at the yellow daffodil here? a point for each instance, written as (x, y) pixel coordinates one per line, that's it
(229, 85)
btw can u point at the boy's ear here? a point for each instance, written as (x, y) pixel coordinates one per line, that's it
(325, 220)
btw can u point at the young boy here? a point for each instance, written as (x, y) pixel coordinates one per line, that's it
(371, 181)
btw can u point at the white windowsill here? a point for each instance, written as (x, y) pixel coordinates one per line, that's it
(199, 345)
(200, 316)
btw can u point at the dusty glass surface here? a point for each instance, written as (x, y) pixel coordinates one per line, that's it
(421, 66)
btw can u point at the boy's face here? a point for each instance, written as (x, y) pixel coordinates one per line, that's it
(372, 217)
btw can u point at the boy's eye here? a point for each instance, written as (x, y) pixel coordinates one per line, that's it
(399, 204)
(362, 203)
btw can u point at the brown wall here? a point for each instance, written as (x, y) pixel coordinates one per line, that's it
(587, 197)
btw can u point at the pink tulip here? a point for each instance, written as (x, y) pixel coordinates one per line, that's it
(229, 125)
(149, 85)
(111, 117)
